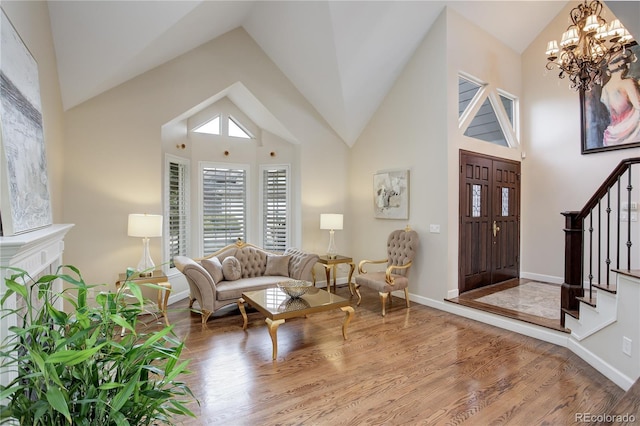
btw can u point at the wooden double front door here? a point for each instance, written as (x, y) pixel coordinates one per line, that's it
(489, 249)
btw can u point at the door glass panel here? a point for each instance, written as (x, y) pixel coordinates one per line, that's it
(476, 200)
(505, 201)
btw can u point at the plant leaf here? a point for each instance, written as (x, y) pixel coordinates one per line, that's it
(71, 357)
(58, 402)
(122, 396)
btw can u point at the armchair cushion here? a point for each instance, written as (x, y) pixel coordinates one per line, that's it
(214, 268)
(376, 281)
(231, 268)
(277, 265)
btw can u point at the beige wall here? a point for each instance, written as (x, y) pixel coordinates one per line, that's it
(31, 21)
(114, 149)
(556, 177)
(416, 128)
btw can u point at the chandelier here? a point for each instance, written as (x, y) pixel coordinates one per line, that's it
(588, 46)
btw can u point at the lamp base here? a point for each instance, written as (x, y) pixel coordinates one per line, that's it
(145, 266)
(332, 252)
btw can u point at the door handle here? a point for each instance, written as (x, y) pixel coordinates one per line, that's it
(496, 228)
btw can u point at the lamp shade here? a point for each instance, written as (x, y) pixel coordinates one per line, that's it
(330, 221)
(145, 225)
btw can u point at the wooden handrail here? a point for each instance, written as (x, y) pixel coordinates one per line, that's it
(607, 184)
(572, 287)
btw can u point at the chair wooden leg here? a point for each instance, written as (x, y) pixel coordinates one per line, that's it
(357, 288)
(406, 296)
(191, 300)
(383, 300)
(205, 316)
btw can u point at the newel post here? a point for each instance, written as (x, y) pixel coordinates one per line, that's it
(572, 286)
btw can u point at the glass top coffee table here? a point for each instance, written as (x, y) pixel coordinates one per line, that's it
(277, 307)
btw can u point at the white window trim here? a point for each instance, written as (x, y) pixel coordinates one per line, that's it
(475, 103)
(515, 126)
(511, 131)
(241, 126)
(248, 223)
(262, 168)
(187, 197)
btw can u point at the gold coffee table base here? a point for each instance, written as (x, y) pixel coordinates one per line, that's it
(277, 307)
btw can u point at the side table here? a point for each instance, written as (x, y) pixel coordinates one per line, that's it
(330, 264)
(158, 278)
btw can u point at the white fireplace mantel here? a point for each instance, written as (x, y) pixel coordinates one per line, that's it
(37, 252)
(34, 251)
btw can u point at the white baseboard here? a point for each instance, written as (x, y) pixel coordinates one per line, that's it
(176, 297)
(599, 364)
(543, 278)
(451, 294)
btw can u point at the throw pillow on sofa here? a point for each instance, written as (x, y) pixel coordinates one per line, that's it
(231, 268)
(277, 265)
(214, 268)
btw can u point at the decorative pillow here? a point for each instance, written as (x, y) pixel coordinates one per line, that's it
(214, 268)
(277, 265)
(231, 268)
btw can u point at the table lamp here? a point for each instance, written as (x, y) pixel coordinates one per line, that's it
(331, 221)
(145, 226)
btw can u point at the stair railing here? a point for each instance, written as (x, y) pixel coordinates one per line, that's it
(607, 217)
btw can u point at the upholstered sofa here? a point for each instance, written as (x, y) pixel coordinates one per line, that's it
(220, 279)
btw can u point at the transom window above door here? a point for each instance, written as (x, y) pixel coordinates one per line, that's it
(487, 113)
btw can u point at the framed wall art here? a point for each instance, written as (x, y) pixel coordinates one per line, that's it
(24, 190)
(391, 194)
(610, 112)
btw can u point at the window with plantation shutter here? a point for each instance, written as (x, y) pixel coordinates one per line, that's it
(224, 206)
(275, 207)
(177, 213)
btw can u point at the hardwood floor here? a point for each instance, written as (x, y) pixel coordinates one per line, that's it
(414, 366)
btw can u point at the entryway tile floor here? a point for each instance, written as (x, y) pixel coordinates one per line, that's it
(525, 300)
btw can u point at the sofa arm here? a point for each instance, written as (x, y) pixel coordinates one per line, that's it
(201, 285)
(301, 263)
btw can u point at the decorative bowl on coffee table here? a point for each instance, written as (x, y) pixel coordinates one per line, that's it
(295, 288)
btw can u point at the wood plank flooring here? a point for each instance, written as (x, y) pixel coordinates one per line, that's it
(416, 366)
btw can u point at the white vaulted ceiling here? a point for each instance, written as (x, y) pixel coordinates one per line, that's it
(343, 56)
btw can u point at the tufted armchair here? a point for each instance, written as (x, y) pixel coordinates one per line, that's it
(401, 249)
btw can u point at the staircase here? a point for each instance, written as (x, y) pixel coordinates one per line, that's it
(600, 300)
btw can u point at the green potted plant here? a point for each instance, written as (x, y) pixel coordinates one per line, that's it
(94, 365)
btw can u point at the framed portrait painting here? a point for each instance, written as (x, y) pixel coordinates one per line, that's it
(391, 194)
(611, 112)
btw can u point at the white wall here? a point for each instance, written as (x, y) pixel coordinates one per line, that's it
(114, 149)
(556, 177)
(408, 131)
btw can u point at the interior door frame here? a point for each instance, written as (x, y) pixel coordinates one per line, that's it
(462, 287)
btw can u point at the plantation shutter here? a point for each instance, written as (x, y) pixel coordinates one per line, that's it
(224, 207)
(177, 210)
(275, 206)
